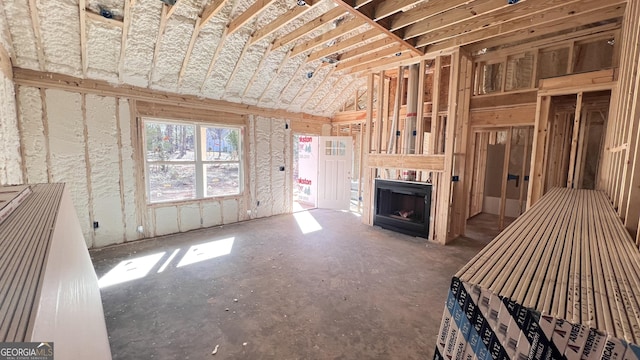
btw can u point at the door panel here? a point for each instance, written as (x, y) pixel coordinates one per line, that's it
(334, 172)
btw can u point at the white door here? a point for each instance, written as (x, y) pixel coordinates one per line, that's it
(334, 172)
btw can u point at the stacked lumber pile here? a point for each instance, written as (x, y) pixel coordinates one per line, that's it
(561, 282)
(25, 235)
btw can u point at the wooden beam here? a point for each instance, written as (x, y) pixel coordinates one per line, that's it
(156, 51)
(35, 22)
(547, 22)
(423, 11)
(380, 106)
(313, 94)
(571, 183)
(368, 48)
(420, 110)
(210, 11)
(519, 115)
(254, 10)
(187, 56)
(247, 44)
(308, 83)
(172, 9)
(320, 40)
(123, 42)
(257, 71)
(390, 7)
(290, 15)
(295, 76)
(482, 9)
(309, 27)
(276, 76)
(386, 63)
(360, 3)
(343, 93)
(374, 56)
(572, 84)
(82, 6)
(538, 162)
(39, 79)
(505, 173)
(407, 161)
(375, 25)
(223, 38)
(344, 44)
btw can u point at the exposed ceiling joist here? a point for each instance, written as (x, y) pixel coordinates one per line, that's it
(340, 30)
(546, 23)
(365, 49)
(360, 3)
(296, 76)
(290, 15)
(467, 12)
(370, 21)
(82, 8)
(347, 43)
(156, 51)
(390, 7)
(308, 83)
(385, 63)
(258, 68)
(363, 59)
(318, 87)
(210, 11)
(423, 11)
(254, 10)
(509, 15)
(342, 94)
(187, 56)
(308, 27)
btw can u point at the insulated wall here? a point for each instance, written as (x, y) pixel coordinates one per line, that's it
(91, 143)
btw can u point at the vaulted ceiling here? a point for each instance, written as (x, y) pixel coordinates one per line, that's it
(305, 56)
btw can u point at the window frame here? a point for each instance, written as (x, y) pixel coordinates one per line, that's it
(199, 162)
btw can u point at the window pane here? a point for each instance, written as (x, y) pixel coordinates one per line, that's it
(169, 142)
(222, 144)
(222, 179)
(171, 182)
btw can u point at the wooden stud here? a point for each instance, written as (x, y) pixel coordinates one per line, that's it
(571, 183)
(367, 213)
(380, 109)
(87, 166)
(45, 128)
(523, 171)
(254, 10)
(120, 171)
(538, 161)
(420, 110)
(505, 173)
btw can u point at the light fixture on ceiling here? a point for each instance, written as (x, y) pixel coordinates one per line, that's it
(301, 3)
(169, 2)
(398, 53)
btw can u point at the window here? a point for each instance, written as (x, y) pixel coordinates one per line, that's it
(186, 161)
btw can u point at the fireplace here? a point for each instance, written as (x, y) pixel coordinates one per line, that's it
(403, 206)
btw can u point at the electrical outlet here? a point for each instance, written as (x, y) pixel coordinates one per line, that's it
(281, 168)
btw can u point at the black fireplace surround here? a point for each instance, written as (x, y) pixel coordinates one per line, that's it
(403, 206)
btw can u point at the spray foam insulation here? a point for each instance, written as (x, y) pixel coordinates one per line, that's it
(102, 56)
(189, 217)
(263, 167)
(211, 214)
(10, 159)
(24, 41)
(229, 211)
(5, 37)
(141, 40)
(128, 171)
(173, 45)
(278, 179)
(166, 220)
(67, 151)
(60, 37)
(33, 138)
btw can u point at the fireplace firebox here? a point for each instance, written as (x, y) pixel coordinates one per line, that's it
(403, 206)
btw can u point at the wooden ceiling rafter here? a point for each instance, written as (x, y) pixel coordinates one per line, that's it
(365, 49)
(371, 57)
(324, 98)
(482, 9)
(309, 27)
(324, 38)
(309, 82)
(342, 93)
(211, 11)
(187, 56)
(257, 71)
(278, 23)
(379, 26)
(223, 38)
(82, 11)
(423, 11)
(126, 23)
(171, 9)
(273, 79)
(254, 10)
(161, 28)
(295, 76)
(385, 63)
(246, 47)
(543, 23)
(390, 7)
(328, 77)
(344, 44)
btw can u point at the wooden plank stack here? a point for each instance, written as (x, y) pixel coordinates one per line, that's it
(25, 237)
(561, 282)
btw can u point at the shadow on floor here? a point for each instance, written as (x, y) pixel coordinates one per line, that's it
(313, 285)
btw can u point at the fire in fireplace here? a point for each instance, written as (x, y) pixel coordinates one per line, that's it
(403, 206)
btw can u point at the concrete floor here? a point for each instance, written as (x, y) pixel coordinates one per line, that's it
(345, 291)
